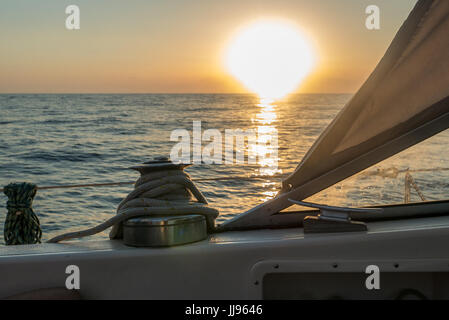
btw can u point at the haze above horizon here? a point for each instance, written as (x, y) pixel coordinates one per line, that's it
(179, 46)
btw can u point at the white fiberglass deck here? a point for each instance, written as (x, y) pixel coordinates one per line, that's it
(226, 265)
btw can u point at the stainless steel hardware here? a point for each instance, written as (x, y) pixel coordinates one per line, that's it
(333, 219)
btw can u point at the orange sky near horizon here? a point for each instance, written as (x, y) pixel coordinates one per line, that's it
(177, 47)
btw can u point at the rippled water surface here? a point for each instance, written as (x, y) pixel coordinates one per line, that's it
(80, 139)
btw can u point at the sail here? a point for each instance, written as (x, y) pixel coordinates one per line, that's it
(408, 89)
(403, 102)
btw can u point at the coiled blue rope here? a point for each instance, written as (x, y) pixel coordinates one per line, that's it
(21, 225)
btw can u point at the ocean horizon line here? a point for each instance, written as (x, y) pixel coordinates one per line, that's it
(164, 93)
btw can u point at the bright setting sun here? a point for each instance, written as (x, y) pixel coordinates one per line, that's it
(270, 58)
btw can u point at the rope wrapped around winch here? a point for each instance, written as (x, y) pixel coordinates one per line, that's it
(21, 225)
(159, 193)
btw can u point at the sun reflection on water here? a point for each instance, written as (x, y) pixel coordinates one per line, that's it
(266, 146)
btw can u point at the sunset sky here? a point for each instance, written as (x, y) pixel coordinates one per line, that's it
(177, 46)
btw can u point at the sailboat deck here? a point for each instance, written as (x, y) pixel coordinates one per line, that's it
(253, 238)
(229, 265)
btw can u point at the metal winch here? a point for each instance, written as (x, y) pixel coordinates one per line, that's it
(164, 231)
(169, 215)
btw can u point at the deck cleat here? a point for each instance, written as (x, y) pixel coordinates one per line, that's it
(333, 219)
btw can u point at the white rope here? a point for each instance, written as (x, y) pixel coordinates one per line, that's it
(165, 193)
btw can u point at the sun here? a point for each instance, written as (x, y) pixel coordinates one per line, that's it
(270, 58)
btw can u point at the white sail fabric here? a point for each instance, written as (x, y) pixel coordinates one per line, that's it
(408, 89)
(403, 102)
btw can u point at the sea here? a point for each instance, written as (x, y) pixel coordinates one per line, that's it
(64, 139)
